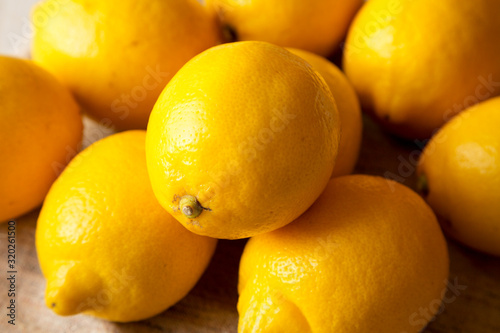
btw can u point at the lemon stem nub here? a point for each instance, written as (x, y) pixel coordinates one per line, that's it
(190, 206)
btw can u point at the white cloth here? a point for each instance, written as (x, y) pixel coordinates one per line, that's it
(15, 27)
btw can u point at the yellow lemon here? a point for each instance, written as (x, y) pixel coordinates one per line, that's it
(242, 140)
(460, 176)
(315, 25)
(349, 111)
(363, 258)
(40, 131)
(414, 68)
(105, 245)
(118, 56)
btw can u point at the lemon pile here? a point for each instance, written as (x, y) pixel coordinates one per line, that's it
(235, 125)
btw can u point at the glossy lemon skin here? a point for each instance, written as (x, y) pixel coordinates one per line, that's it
(117, 57)
(251, 131)
(366, 257)
(317, 26)
(40, 132)
(415, 68)
(105, 245)
(461, 170)
(349, 111)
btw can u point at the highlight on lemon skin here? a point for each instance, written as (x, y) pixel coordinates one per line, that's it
(105, 245)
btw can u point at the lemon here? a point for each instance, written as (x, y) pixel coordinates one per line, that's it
(459, 175)
(349, 111)
(105, 245)
(416, 68)
(363, 258)
(242, 140)
(315, 25)
(118, 56)
(40, 131)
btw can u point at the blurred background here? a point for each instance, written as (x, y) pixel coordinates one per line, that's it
(15, 27)
(15, 40)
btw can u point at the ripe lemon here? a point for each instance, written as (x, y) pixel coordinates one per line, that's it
(105, 245)
(363, 258)
(415, 68)
(242, 140)
(40, 131)
(118, 56)
(460, 176)
(315, 25)
(349, 111)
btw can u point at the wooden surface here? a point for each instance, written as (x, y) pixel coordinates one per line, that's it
(211, 305)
